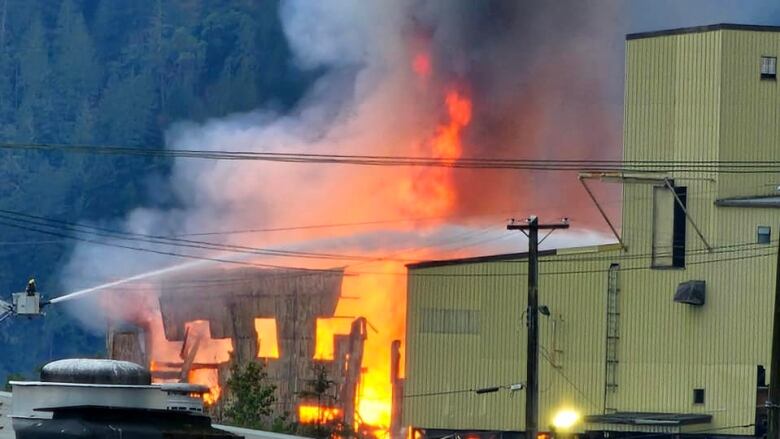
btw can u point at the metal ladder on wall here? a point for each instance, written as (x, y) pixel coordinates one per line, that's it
(613, 337)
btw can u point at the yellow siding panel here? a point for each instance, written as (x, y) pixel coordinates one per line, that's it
(751, 116)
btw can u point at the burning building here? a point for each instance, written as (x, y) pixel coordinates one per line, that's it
(197, 326)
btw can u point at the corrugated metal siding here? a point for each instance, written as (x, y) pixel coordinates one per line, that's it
(750, 109)
(674, 111)
(571, 338)
(666, 349)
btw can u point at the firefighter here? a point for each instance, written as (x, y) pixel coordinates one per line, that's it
(31, 289)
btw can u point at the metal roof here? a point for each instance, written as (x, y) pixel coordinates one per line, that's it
(699, 29)
(645, 418)
(477, 259)
(515, 256)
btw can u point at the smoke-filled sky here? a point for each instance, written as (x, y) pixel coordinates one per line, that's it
(540, 79)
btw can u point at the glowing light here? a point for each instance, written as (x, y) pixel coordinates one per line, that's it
(565, 419)
(210, 350)
(421, 65)
(326, 329)
(314, 414)
(210, 378)
(267, 344)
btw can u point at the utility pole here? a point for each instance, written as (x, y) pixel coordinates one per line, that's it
(532, 353)
(773, 409)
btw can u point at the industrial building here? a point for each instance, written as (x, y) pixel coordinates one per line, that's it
(666, 331)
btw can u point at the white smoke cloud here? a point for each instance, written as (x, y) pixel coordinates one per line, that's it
(366, 102)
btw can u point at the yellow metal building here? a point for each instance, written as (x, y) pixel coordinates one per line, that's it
(617, 347)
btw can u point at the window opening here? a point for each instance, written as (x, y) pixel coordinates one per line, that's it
(698, 396)
(764, 234)
(769, 67)
(669, 224)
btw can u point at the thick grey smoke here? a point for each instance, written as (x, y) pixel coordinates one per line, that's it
(545, 80)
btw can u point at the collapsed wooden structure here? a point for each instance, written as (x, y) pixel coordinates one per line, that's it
(231, 300)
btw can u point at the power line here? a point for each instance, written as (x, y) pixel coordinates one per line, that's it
(33, 222)
(723, 166)
(702, 251)
(338, 270)
(476, 390)
(39, 221)
(338, 225)
(569, 381)
(166, 253)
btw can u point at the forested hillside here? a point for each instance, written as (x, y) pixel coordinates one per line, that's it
(113, 72)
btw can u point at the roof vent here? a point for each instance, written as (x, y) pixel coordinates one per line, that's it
(691, 292)
(94, 371)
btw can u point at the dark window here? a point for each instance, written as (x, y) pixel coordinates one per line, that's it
(669, 227)
(680, 220)
(761, 376)
(698, 396)
(764, 234)
(769, 67)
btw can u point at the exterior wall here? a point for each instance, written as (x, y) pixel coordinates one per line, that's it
(696, 97)
(750, 127)
(572, 339)
(672, 112)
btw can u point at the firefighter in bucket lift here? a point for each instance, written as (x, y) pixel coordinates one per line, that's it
(31, 289)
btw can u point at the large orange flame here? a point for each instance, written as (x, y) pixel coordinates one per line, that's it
(313, 414)
(210, 378)
(373, 291)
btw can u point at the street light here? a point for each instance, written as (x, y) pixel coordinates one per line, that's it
(565, 419)
(563, 423)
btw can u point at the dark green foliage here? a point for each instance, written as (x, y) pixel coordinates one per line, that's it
(251, 398)
(112, 72)
(12, 377)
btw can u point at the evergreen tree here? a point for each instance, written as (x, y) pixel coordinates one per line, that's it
(7, 76)
(251, 397)
(33, 120)
(127, 110)
(114, 72)
(185, 60)
(76, 71)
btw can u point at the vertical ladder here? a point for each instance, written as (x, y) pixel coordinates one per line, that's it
(613, 337)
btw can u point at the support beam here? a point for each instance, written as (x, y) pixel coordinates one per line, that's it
(603, 214)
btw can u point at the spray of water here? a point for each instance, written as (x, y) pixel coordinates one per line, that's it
(137, 277)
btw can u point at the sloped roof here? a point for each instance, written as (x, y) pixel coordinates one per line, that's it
(699, 29)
